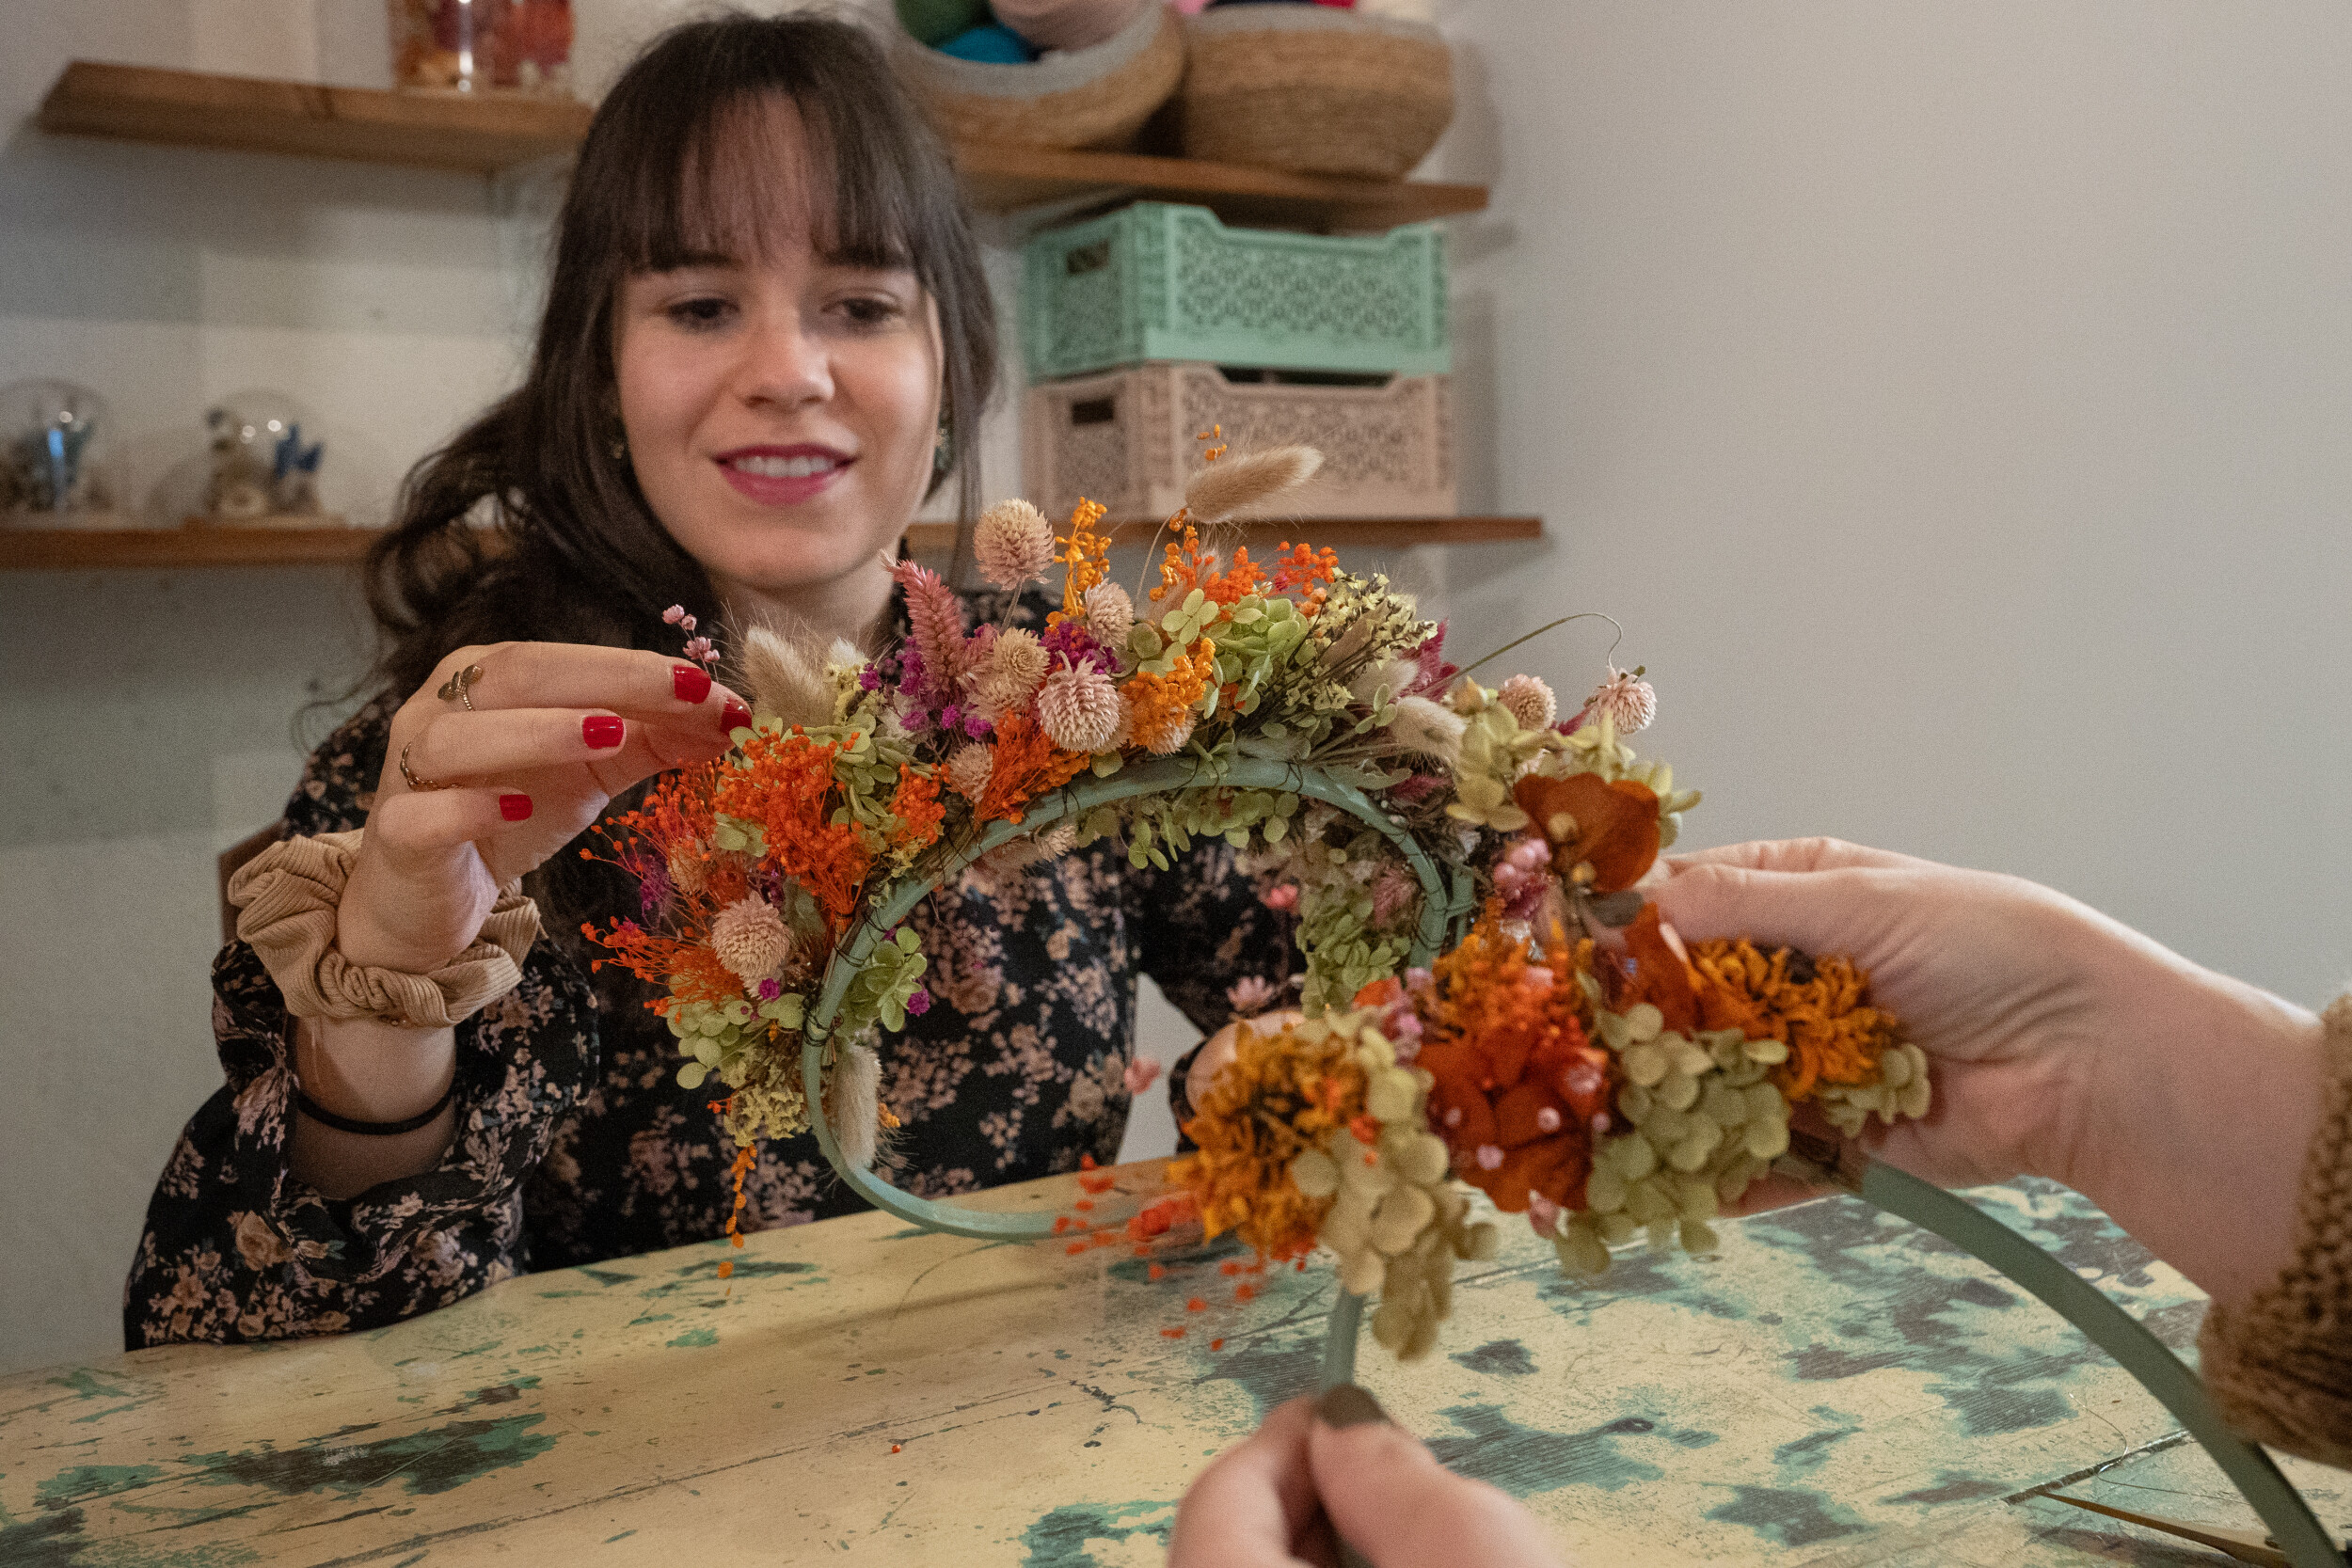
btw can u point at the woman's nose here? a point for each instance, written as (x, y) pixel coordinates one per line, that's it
(784, 367)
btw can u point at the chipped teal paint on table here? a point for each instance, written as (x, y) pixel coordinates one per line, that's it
(1835, 1388)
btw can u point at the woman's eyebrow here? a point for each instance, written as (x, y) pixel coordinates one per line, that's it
(683, 261)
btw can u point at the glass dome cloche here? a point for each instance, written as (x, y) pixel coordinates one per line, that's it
(264, 463)
(56, 435)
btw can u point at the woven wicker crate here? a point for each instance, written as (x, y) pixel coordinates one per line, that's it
(1128, 439)
(1159, 282)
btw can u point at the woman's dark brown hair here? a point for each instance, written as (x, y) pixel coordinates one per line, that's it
(526, 525)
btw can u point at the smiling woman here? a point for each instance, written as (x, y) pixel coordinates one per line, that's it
(767, 341)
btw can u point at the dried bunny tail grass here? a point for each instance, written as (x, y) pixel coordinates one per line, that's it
(787, 679)
(1427, 728)
(1221, 489)
(856, 1109)
(1013, 854)
(1014, 544)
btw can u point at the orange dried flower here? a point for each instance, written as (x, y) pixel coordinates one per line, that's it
(1086, 554)
(1161, 706)
(1516, 1082)
(1609, 825)
(785, 785)
(915, 804)
(1298, 566)
(1278, 1098)
(1026, 766)
(1816, 1006)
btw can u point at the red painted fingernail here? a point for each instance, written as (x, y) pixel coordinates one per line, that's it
(734, 717)
(601, 731)
(692, 684)
(514, 808)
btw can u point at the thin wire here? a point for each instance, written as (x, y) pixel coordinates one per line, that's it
(1586, 615)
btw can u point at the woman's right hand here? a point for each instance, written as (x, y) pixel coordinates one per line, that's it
(555, 732)
(2063, 1043)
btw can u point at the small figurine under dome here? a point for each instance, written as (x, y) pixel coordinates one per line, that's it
(53, 432)
(261, 466)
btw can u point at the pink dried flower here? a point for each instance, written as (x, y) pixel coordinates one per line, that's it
(1283, 895)
(1079, 709)
(1392, 894)
(936, 615)
(1142, 1072)
(672, 615)
(700, 650)
(1110, 613)
(1542, 1213)
(1014, 544)
(1252, 995)
(751, 938)
(1015, 665)
(1530, 701)
(1627, 698)
(968, 770)
(770, 989)
(1489, 1156)
(919, 1003)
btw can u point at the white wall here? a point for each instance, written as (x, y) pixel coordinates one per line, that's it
(1950, 402)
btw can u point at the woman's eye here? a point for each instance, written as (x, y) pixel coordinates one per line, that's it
(866, 311)
(699, 315)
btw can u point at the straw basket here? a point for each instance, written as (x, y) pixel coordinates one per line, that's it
(1098, 97)
(1313, 89)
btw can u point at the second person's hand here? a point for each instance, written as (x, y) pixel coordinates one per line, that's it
(2063, 1044)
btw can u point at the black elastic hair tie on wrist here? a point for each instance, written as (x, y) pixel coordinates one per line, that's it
(325, 1118)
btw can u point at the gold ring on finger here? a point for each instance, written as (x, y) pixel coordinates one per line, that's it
(420, 784)
(459, 686)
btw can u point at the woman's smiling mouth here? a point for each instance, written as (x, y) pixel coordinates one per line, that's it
(781, 476)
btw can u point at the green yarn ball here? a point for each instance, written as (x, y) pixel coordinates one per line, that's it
(935, 22)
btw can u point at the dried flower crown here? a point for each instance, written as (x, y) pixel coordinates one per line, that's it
(1457, 859)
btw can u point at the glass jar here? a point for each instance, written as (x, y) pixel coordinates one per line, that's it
(53, 448)
(482, 45)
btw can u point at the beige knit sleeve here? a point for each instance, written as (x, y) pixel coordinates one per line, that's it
(2279, 1363)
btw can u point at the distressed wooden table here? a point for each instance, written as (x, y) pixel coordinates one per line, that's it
(1835, 1388)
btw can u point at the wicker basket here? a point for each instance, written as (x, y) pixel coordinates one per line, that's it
(1313, 89)
(1128, 439)
(1097, 97)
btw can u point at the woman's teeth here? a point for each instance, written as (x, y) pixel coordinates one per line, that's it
(783, 468)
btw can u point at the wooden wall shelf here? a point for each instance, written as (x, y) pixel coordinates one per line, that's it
(72, 549)
(484, 134)
(24, 549)
(249, 114)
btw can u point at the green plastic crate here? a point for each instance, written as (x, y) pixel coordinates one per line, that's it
(1154, 281)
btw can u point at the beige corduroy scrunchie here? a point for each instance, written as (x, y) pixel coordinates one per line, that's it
(2279, 1363)
(286, 899)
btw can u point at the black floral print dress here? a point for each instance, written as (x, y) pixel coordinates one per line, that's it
(575, 1142)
